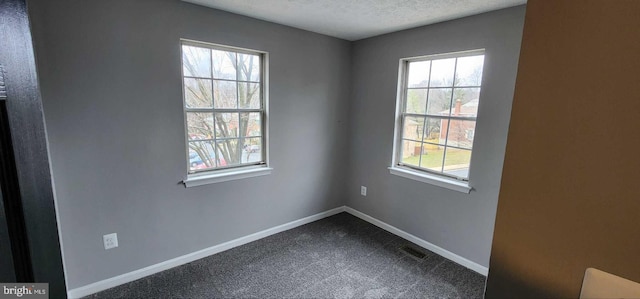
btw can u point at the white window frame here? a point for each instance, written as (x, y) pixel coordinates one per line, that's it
(235, 172)
(420, 174)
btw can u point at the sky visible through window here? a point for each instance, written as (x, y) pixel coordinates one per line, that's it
(440, 108)
(223, 107)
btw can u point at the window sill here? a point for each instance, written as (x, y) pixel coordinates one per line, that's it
(439, 181)
(225, 176)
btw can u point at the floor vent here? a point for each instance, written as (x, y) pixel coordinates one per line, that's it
(412, 252)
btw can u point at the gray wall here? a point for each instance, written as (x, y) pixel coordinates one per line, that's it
(111, 87)
(460, 223)
(110, 79)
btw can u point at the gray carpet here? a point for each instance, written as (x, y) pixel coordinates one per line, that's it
(337, 257)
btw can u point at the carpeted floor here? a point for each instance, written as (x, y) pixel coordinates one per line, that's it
(337, 257)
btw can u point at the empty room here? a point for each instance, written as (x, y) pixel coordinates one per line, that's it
(319, 149)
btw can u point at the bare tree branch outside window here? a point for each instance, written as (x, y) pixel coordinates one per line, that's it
(223, 106)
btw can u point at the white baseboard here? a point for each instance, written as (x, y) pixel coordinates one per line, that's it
(436, 249)
(181, 260)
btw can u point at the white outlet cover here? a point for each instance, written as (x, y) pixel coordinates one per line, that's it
(110, 241)
(363, 190)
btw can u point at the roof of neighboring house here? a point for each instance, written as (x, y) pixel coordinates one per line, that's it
(470, 108)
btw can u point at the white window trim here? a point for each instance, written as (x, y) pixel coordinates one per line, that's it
(226, 175)
(410, 173)
(433, 179)
(236, 173)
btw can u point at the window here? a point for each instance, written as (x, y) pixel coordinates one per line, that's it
(437, 109)
(224, 107)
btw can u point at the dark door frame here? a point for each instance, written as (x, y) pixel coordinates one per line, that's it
(11, 201)
(29, 144)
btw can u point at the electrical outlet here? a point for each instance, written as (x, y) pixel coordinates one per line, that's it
(110, 241)
(363, 190)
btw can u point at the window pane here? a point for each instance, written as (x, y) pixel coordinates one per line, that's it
(419, 74)
(442, 72)
(224, 64)
(465, 102)
(413, 128)
(201, 155)
(249, 67)
(197, 93)
(230, 150)
(249, 95)
(439, 102)
(411, 152)
(432, 157)
(461, 133)
(250, 124)
(457, 162)
(469, 70)
(227, 125)
(436, 130)
(225, 94)
(200, 125)
(416, 100)
(223, 100)
(252, 150)
(196, 62)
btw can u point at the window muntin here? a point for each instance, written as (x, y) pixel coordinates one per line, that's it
(438, 110)
(224, 106)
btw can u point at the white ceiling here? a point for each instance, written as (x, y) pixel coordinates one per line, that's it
(357, 19)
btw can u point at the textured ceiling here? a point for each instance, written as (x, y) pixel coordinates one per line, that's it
(357, 19)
